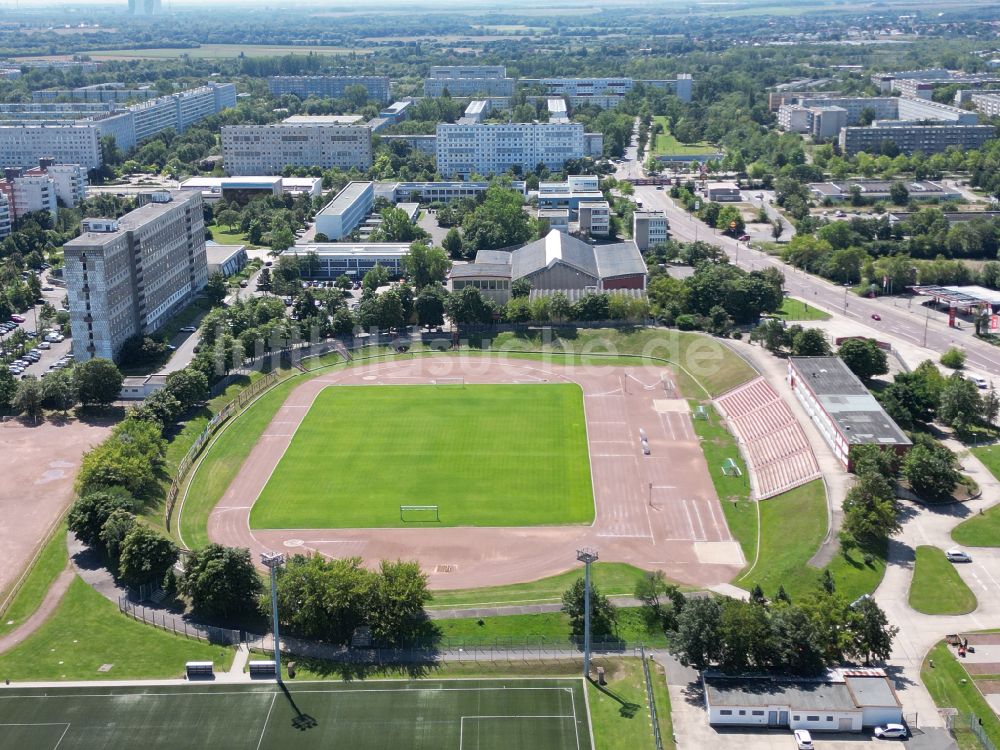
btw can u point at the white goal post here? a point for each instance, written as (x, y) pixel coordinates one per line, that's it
(460, 382)
(424, 513)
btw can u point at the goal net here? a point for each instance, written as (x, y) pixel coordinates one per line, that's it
(419, 514)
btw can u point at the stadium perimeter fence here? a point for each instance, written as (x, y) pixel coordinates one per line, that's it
(444, 649)
(178, 625)
(969, 722)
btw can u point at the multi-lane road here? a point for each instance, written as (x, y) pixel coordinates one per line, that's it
(904, 317)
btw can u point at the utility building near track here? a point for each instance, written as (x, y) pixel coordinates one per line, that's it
(845, 412)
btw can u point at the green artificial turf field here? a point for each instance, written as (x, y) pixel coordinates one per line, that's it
(546, 714)
(486, 455)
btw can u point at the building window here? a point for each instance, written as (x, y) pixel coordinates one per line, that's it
(812, 718)
(757, 713)
(742, 712)
(796, 717)
(829, 718)
(726, 712)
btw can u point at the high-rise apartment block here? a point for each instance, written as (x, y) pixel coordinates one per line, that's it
(329, 87)
(493, 148)
(344, 142)
(126, 277)
(468, 80)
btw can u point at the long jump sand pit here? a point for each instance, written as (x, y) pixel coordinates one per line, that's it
(656, 511)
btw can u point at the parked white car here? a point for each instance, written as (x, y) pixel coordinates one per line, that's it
(803, 740)
(957, 555)
(890, 732)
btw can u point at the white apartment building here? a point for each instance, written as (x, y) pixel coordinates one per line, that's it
(649, 228)
(468, 80)
(24, 145)
(595, 218)
(487, 149)
(435, 192)
(987, 103)
(127, 277)
(346, 211)
(344, 142)
(33, 193)
(70, 180)
(600, 92)
(328, 87)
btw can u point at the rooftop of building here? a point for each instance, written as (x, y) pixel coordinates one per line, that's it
(139, 217)
(840, 689)
(352, 249)
(322, 120)
(839, 187)
(846, 400)
(345, 198)
(217, 254)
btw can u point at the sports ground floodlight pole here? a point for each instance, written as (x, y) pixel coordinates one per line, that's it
(586, 556)
(273, 561)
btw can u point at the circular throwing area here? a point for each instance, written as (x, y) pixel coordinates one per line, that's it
(486, 470)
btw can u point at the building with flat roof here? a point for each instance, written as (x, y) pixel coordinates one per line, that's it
(349, 208)
(70, 143)
(475, 112)
(840, 406)
(468, 80)
(606, 92)
(353, 259)
(436, 192)
(846, 700)
(323, 141)
(570, 194)
(557, 110)
(126, 277)
(493, 148)
(241, 189)
(70, 180)
(98, 92)
(557, 262)
(329, 87)
(424, 144)
(29, 193)
(594, 218)
(649, 228)
(877, 190)
(910, 138)
(987, 102)
(225, 259)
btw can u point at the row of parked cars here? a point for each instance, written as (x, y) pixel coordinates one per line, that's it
(26, 360)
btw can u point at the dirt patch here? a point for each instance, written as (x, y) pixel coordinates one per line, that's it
(983, 639)
(981, 668)
(988, 687)
(39, 467)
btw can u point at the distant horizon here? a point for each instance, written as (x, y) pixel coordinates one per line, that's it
(444, 5)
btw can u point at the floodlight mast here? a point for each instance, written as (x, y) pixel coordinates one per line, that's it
(586, 556)
(273, 561)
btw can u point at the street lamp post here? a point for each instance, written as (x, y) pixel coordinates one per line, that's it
(586, 556)
(273, 561)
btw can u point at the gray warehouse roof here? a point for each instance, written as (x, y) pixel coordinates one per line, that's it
(765, 691)
(466, 270)
(871, 691)
(555, 246)
(858, 416)
(619, 259)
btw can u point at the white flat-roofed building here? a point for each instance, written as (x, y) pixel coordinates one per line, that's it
(353, 259)
(595, 218)
(649, 228)
(98, 92)
(468, 80)
(476, 112)
(555, 218)
(329, 87)
(987, 102)
(874, 190)
(599, 92)
(126, 277)
(31, 193)
(911, 137)
(326, 141)
(489, 148)
(217, 188)
(436, 192)
(225, 259)
(69, 143)
(346, 211)
(557, 110)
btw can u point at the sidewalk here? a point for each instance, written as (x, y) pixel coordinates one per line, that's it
(37, 618)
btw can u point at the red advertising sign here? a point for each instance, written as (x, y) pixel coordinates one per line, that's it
(951, 317)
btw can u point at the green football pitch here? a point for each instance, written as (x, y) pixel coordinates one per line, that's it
(486, 455)
(547, 714)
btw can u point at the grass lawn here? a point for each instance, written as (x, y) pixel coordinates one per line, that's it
(979, 531)
(718, 444)
(420, 445)
(47, 567)
(551, 627)
(87, 631)
(613, 579)
(793, 526)
(667, 145)
(936, 588)
(619, 713)
(224, 236)
(796, 310)
(706, 363)
(222, 460)
(951, 687)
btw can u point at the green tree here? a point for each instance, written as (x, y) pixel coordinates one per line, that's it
(797, 646)
(396, 601)
(870, 512)
(216, 290)
(898, 193)
(871, 633)
(377, 276)
(113, 532)
(777, 229)
(453, 245)
(145, 557)
(98, 382)
(961, 405)
(281, 239)
(603, 615)
(58, 391)
(559, 307)
(499, 221)
(8, 388)
(425, 265)
(228, 218)
(111, 464)
(746, 638)
(28, 398)
(323, 599)
(931, 471)
(397, 227)
(697, 641)
(810, 342)
(468, 306)
(429, 306)
(343, 282)
(953, 358)
(88, 514)
(189, 386)
(864, 358)
(661, 601)
(520, 288)
(221, 582)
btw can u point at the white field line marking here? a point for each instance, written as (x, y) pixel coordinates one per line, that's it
(65, 724)
(267, 718)
(275, 693)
